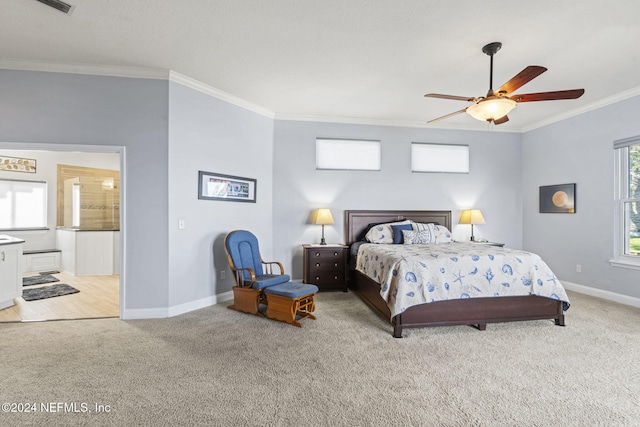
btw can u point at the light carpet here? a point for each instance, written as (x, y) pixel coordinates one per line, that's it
(220, 367)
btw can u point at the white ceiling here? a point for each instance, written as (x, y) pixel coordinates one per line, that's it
(361, 61)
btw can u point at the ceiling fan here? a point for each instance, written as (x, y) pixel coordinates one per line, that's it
(495, 106)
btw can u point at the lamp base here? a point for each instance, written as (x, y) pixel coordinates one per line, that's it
(323, 242)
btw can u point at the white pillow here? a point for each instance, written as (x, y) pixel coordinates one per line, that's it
(383, 233)
(441, 233)
(422, 237)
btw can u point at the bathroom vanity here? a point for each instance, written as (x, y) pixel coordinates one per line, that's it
(10, 270)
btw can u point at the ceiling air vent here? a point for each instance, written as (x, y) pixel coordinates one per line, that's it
(57, 4)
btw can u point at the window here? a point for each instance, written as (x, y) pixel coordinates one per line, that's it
(347, 154)
(439, 158)
(627, 206)
(23, 204)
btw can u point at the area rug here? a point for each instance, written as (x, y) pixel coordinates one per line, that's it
(38, 280)
(48, 292)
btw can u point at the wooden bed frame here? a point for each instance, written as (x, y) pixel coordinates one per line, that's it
(475, 311)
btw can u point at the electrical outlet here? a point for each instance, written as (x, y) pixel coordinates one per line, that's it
(223, 274)
(578, 268)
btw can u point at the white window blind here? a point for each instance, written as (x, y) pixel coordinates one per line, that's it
(347, 154)
(23, 204)
(439, 158)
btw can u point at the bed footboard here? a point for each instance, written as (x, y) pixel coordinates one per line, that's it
(476, 312)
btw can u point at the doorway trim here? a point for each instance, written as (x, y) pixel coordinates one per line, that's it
(121, 150)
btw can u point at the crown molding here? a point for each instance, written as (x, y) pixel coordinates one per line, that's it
(397, 123)
(584, 109)
(135, 73)
(93, 70)
(216, 93)
(169, 75)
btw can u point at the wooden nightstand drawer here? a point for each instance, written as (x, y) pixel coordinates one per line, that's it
(325, 266)
(326, 254)
(326, 279)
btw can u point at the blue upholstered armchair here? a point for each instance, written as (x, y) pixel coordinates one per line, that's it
(252, 274)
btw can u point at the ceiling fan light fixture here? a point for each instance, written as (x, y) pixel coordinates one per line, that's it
(491, 109)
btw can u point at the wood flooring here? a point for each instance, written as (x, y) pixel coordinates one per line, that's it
(99, 297)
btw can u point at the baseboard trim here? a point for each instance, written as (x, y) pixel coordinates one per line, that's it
(600, 293)
(176, 310)
(225, 296)
(145, 313)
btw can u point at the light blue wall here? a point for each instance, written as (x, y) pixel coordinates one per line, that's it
(53, 108)
(169, 132)
(211, 135)
(493, 184)
(579, 150)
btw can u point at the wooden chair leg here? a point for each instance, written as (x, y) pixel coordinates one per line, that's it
(246, 300)
(286, 309)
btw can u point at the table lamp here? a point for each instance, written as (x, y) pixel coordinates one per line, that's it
(471, 216)
(323, 217)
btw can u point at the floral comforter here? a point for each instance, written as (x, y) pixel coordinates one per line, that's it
(417, 274)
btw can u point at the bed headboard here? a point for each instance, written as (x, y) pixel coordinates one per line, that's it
(357, 221)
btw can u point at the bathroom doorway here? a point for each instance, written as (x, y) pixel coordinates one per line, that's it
(97, 295)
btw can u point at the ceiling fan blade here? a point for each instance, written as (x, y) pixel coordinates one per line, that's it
(447, 116)
(501, 120)
(549, 96)
(521, 79)
(452, 97)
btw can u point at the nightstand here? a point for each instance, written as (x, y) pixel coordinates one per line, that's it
(488, 243)
(326, 266)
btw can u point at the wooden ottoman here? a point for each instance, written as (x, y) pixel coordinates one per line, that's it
(288, 300)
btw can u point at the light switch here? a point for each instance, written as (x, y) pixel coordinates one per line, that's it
(181, 224)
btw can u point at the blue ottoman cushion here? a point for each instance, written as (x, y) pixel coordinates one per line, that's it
(292, 290)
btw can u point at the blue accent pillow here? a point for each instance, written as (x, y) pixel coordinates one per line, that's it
(398, 238)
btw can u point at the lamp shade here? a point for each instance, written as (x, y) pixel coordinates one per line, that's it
(491, 109)
(471, 216)
(323, 217)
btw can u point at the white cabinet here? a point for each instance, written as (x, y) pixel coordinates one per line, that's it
(89, 253)
(10, 270)
(40, 260)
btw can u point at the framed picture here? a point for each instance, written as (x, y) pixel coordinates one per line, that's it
(215, 186)
(17, 164)
(558, 198)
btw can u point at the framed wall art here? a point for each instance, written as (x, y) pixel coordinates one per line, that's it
(17, 164)
(558, 198)
(215, 186)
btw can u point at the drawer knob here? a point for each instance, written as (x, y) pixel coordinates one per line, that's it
(317, 253)
(317, 277)
(335, 264)
(317, 264)
(335, 254)
(335, 277)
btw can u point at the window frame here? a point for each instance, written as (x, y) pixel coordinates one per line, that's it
(622, 197)
(333, 144)
(420, 149)
(45, 207)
